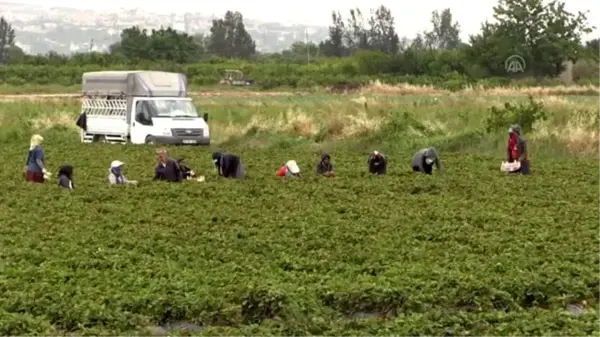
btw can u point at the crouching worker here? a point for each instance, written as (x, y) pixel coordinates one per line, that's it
(325, 167)
(65, 177)
(517, 150)
(167, 169)
(290, 169)
(377, 163)
(425, 159)
(186, 171)
(228, 165)
(116, 176)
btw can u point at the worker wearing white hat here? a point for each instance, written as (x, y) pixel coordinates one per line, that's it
(115, 174)
(290, 169)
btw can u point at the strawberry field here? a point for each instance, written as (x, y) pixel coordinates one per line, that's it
(470, 252)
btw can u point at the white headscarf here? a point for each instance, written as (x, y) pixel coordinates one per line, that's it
(35, 141)
(293, 167)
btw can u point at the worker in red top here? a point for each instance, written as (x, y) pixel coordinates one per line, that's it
(290, 169)
(517, 149)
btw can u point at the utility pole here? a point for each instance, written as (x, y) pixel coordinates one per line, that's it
(91, 45)
(307, 46)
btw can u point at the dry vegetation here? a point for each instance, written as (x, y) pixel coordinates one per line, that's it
(375, 87)
(318, 116)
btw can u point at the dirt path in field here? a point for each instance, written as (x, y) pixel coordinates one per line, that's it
(232, 94)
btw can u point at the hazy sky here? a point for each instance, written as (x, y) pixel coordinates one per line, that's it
(411, 16)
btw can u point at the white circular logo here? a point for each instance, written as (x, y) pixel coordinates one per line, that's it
(514, 64)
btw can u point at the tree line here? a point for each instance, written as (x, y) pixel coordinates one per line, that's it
(543, 35)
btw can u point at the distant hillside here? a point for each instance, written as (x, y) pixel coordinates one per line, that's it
(64, 30)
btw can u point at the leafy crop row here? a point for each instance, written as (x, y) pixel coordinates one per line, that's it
(402, 254)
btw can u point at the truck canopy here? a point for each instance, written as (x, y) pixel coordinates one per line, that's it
(134, 83)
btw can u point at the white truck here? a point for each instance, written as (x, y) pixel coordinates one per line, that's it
(140, 107)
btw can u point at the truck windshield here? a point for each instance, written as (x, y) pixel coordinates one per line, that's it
(172, 108)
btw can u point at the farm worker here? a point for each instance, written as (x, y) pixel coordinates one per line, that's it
(290, 169)
(377, 163)
(228, 165)
(115, 174)
(186, 171)
(35, 170)
(325, 167)
(424, 160)
(167, 169)
(517, 149)
(65, 177)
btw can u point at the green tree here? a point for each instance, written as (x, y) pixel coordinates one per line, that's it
(161, 44)
(300, 51)
(7, 39)
(592, 49)
(202, 41)
(382, 34)
(545, 35)
(334, 45)
(115, 48)
(170, 45)
(445, 32)
(229, 38)
(356, 36)
(134, 44)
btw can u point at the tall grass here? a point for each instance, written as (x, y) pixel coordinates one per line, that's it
(455, 123)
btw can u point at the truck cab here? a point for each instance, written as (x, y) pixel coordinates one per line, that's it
(140, 107)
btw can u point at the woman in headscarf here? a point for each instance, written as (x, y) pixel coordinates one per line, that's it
(116, 176)
(325, 167)
(290, 169)
(35, 171)
(425, 159)
(228, 165)
(377, 163)
(517, 150)
(65, 177)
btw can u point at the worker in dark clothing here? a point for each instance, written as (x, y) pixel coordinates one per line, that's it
(425, 159)
(517, 150)
(325, 167)
(186, 171)
(65, 177)
(228, 165)
(167, 169)
(377, 163)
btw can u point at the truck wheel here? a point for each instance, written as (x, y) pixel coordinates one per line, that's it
(150, 140)
(100, 139)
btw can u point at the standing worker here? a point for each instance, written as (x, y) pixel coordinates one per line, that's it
(517, 150)
(35, 171)
(425, 159)
(377, 163)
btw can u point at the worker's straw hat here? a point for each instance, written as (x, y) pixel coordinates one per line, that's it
(116, 163)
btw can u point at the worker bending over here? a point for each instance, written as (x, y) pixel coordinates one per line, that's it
(424, 160)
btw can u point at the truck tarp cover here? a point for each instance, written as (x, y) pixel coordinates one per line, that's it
(134, 83)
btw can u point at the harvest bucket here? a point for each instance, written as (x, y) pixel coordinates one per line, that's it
(510, 167)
